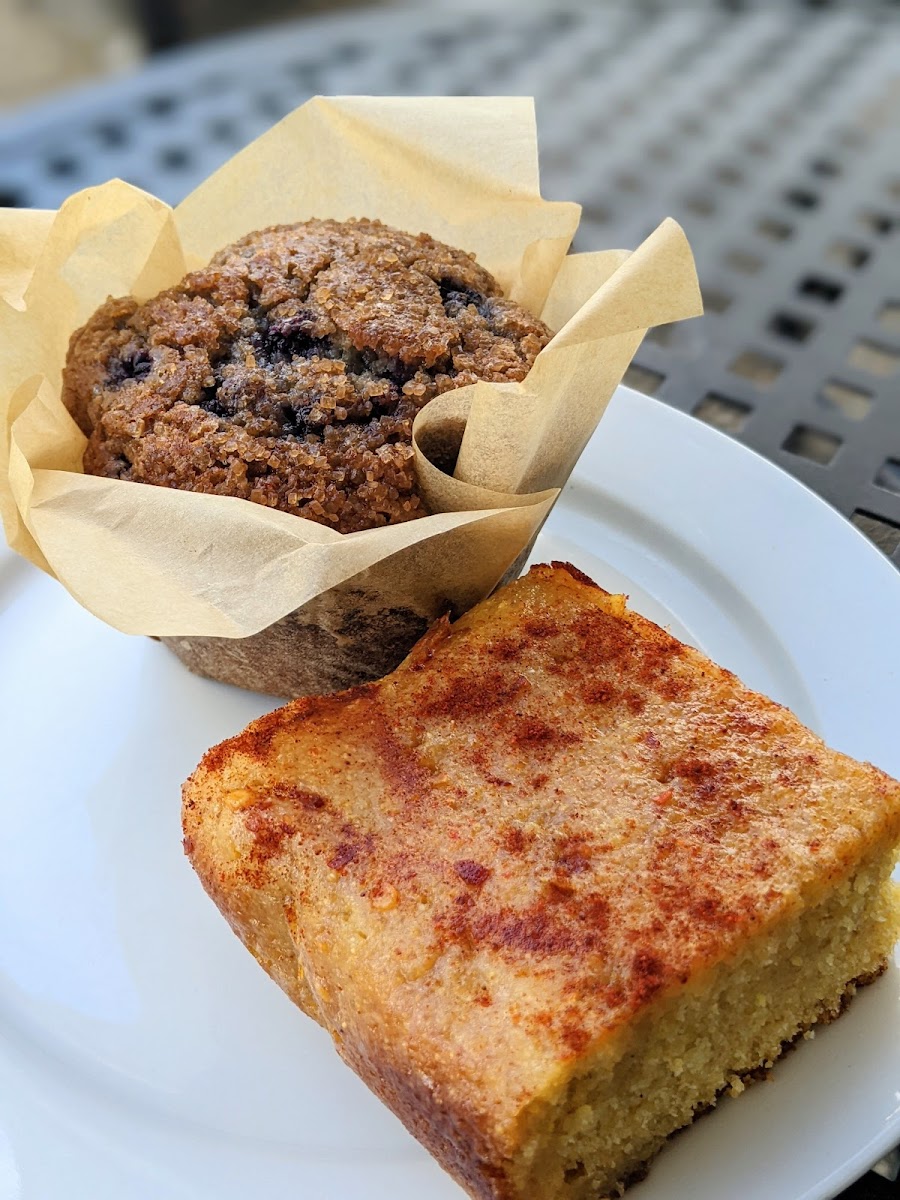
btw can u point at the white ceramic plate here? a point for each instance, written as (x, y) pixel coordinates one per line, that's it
(145, 1056)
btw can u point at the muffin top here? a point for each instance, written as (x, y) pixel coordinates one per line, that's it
(289, 371)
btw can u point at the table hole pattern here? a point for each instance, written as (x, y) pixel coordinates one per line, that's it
(723, 413)
(889, 317)
(815, 287)
(825, 166)
(771, 134)
(668, 335)
(844, 398)
(878, 222)
(801, 197)
(701, 205)
(744, 261)
(174, 158)
(715, 300)
(759, 369)
(814, 444)
(885, 534)
(774, 229)
(888, 476)
(758, 146)
(162, 104)
(10, 198)
(222, 129)
(729, 174)
(847, 254)
(644, 380)
(62, 165)
(110, 133)
(791, 326)
(873, 358)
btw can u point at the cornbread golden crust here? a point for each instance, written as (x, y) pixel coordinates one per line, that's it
(289, 371)
(552, 885)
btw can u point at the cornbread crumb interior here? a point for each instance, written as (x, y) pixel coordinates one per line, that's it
(683, 1053)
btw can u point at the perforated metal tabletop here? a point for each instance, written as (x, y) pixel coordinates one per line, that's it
(772, 135)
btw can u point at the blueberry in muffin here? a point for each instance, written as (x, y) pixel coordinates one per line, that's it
(290, 370)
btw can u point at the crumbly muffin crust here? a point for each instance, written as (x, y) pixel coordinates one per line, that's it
(289, 371)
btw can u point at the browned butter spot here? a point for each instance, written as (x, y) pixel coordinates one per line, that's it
(464, 696)
(352, 849)
(471, 872)
(269, 829)
(537, 737)
(575, 924)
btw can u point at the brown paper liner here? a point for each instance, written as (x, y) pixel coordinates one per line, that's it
(352, 634)
(259, 597)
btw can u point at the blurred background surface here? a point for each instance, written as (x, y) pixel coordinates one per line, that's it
(770, 131)
(46, 45)
(50, 44)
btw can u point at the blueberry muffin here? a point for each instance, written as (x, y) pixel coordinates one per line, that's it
(289, 371)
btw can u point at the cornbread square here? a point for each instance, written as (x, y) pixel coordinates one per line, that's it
(552, 885)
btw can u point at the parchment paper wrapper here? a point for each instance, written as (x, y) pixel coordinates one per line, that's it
(265, 599)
